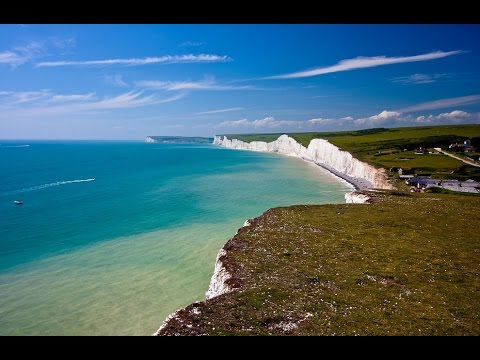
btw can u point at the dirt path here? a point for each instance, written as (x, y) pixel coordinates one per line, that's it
(457, 157)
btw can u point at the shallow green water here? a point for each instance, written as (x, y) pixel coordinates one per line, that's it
(117, 254)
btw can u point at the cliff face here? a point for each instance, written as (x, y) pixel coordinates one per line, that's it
(319, 151)
(218, 283)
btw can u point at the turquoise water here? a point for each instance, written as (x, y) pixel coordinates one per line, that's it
(117, 254)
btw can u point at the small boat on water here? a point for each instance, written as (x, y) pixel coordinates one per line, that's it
(18, 202)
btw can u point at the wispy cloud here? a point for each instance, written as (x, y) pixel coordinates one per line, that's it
(208, 84)
(63, 46)
(64, 43)
(442, 103)
(51, 104)
(192, 43)
(22, 54)
(11, 58)
(44, 96)
(365, 62)
(419, 79)
(72, 97)
(167, 59)
(34, 50)
(268, 122)
(20, 97)
(116, 80)
(219, 111)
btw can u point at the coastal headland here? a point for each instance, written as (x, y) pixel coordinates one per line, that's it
(395, 260)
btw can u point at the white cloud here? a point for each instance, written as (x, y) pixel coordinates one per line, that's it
(456, 116)
(116, 80)
(365, 62)
(22, 54)
(266, 123)
(319, 121)
(167, 59)
(383, 119)
(208, 84)
(419, 79)
(443, 103)
(219, 111)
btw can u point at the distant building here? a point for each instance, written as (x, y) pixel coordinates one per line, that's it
(420, 182)
(420, 151)
(405, 173)
(466, 146)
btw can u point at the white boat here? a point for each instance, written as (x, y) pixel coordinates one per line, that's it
(18, 202)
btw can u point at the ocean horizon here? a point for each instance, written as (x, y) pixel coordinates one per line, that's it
(115, 235)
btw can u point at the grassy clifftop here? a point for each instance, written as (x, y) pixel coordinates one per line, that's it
(405, 265)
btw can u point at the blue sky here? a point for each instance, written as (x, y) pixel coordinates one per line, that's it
(130, 81)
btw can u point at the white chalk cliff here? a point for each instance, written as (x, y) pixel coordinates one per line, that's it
(218, 285)
(319, 151)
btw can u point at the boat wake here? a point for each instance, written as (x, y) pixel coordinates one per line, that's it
(45, 186)
(13, 146)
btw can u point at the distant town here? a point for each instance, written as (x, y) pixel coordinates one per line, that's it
(463, 151)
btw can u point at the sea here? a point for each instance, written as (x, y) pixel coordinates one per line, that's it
(114, 236)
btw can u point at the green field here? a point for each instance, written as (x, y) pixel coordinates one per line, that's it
(390, 147)
(405, 265)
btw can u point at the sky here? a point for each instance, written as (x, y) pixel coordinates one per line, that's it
(126, 82)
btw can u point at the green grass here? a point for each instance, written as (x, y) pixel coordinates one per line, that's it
(405, 265)
(409, 160)
(393, 144)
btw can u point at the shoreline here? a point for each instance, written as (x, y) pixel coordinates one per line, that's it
(218, 283)
(321, 152)
(357, 184)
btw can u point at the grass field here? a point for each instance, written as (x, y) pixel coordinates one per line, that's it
(405, 265)
(389, 147)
